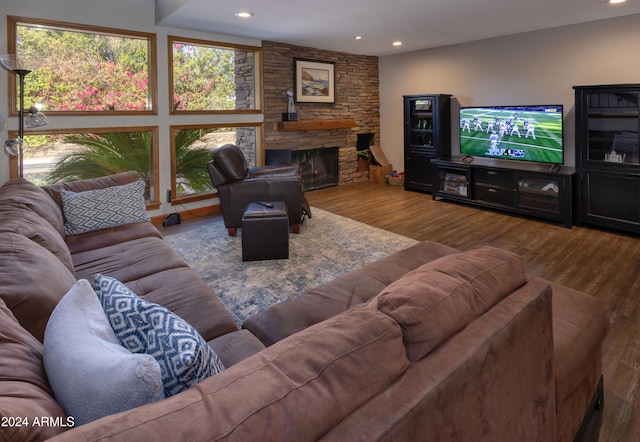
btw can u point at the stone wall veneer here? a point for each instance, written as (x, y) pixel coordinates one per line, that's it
(356, 97)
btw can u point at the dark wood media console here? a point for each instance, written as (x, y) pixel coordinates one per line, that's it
(527, 189)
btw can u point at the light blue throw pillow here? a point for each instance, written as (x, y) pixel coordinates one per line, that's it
(143, 327)
(103, 208)
(91, 374)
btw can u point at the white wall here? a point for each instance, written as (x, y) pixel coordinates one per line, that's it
(133, 15)
(531, 68)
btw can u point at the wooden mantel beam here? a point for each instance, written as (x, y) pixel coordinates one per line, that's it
(290, 126)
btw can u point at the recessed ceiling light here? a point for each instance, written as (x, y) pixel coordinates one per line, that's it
(397, 43)
(358, 37)
(244, 14)
(613, 2)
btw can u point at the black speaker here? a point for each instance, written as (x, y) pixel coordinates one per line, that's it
(171, 220)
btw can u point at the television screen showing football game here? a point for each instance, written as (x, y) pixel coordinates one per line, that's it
(525, 133)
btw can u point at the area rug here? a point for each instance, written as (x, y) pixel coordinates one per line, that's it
(328, 246)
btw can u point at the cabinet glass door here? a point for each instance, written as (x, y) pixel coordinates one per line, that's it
(539, 193)
(613, 127)
(421, 122)
(453, 182)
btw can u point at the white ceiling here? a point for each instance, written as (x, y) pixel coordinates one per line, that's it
(419, 24)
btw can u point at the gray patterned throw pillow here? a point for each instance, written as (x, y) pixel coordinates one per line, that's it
(103, 208)
(143, 327)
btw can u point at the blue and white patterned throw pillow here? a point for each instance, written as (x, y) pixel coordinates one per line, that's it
(102, 208)
(143, 327)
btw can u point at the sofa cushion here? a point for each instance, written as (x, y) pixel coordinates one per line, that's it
(17, 217)
(92, 375)
(340, 294)
(100, 239)
(32, 281)
(142, 327)
(24, 390)
(438, 299)
(103, 208)
(153, 270)
(36, 199)
(233, 347)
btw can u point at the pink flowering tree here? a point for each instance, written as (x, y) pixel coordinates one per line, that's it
(203, 77)
(81, 71)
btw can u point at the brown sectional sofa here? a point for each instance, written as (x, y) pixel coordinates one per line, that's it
(428, 343)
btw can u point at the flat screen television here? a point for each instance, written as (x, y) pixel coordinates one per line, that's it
(524, 133)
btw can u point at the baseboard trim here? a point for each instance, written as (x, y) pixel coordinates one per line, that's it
(188, 214)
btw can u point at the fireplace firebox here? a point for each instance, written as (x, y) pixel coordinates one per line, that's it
(318, 167)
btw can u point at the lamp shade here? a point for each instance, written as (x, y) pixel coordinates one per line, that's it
(35, 118)
(12, 147)
(16, 63)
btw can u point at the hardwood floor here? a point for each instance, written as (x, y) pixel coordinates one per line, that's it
(605, 264)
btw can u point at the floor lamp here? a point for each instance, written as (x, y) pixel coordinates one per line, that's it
(14, 147)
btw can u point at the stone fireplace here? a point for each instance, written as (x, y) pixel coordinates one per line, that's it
(320, 126)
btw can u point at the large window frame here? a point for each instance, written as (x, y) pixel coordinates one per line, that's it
(151, 109)
(257, 84)
(154, 195)
(177, 199)
(240, 103)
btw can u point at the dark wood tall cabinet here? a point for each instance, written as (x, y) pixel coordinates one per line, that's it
(608, 156)
(427, 136)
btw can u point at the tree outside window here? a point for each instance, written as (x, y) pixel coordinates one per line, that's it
(210, 77)
(83, 69)
(86, 70)
(192, 149)
(92, 153)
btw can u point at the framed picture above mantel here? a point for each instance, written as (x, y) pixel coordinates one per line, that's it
(315, 81)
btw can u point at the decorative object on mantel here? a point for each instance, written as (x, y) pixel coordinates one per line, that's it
(15, 147)
(291, 114)
(290, 126)
(315, 81)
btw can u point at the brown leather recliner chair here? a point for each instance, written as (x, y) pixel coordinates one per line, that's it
(238, 185)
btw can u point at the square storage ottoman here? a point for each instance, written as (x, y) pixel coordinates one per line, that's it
(265, 231)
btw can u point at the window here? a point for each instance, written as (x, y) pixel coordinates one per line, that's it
(191, 151)
(89, 153)
(208, 77)
(105, 73)
(211, 77)
(84, 69)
